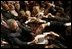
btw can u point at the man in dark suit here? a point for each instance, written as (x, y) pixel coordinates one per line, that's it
(16, 35)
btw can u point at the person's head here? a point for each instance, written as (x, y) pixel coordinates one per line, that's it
(11, 7)
(36, 9)
(26, 2)
(17, 6)
(28, 13)
(22, 13)
(5, 7)
(12, 24)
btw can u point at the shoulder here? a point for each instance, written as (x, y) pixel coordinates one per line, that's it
(13, 35)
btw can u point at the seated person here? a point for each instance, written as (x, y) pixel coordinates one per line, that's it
(17, 35)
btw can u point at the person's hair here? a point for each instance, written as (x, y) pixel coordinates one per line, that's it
(17, 6)
(10, 22)
(28, 13)
(22, 12)
(11, 7)
(5, 7)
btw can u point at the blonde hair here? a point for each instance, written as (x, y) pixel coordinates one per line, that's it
(10, 22)
(22, 12)
(28, 13)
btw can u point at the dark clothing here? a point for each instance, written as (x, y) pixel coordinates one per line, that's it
(7, 15)
(58, 27)
(15, 37)
(62, 30)
(18, 37)
(56, 18)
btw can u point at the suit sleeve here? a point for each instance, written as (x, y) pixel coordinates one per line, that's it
(58, 26)
(15, 40)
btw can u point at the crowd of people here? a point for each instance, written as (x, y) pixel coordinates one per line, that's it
(42, 24)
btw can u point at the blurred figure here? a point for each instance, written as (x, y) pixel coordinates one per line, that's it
(12, 10)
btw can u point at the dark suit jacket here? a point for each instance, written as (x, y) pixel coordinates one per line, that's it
(59, 19)
(57, 27)
(19, 37)
(8, 15)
